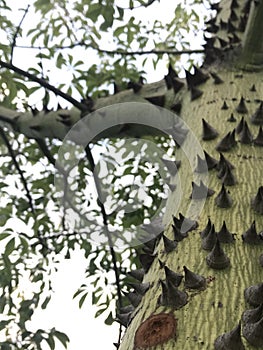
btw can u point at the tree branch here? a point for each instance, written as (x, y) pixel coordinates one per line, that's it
(105, 222)
(20, 172)
(117, 51)
(16, 33)
(44, 83)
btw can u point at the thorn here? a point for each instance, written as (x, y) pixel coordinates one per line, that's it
(193, 280)
(245, 135)
(195, 93)
(234, 4)
(140, 288)
(146, 261)
(156, 100)
(134, 298)
(177, 85)
(230, 340)
(116, 88)
(178, 235)
(230, 27)
(240, 125)
(253, 88)
(211, 162)
(207, 229)
(124, 319)
(251, 236)
(197, 78)
(257, 202)
(254, 294)
(227, 142)
(223, 200)
(222, 162)
(217, 259)
(137, 274)
(209, 239)
(228, 178)
(224, 236)
(223, 43)
(209, 133)
(253, 315)
(176, 298)
(225, 106)
(241, 108)
(259, 139)
(201, 191)
(233, 16)
(242, 24)
(231, 119)
(135, 86)
(176, 107)
(173, 277)
(201, 166)
(253, 333)
(169, 245)
(217, 79)
(126, 309)
(257, 117)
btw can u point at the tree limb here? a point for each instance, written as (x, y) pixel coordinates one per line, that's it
(44, 83)
(20, 172)
(16, 33)
(117, 51)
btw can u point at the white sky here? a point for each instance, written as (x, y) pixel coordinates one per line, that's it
(84, 331)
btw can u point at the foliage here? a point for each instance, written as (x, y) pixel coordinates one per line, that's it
(82, 48)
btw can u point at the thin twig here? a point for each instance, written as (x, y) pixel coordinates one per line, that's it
(149, 3)
(45, 84)
(13, 156)
(117, 51)
(105, 222)
(16, 33)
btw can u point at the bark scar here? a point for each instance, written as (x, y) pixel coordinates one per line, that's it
(157, 329)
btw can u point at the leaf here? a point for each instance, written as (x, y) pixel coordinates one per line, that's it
(109, 320)
(79, 291)
(4, 235)
(51, 342)
(99, 312)
(3, 324)
(119, 30)
(82, 299)
(94, 11)
(62, 337)
(45, 303)
(10, 246)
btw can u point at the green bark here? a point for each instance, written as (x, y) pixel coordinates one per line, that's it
(217, 309)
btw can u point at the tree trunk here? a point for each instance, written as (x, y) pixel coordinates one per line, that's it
(227, 97)
(229, 88)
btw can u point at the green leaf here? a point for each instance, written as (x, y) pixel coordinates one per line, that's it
(119, 30)
(99, 312)
(4, 235)
(10, 246)
(45, 303)
(121, 12)
(82, 299)
(109, 320)
(3, 324)
(62, 337)
(51, 342)
(94, 11)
